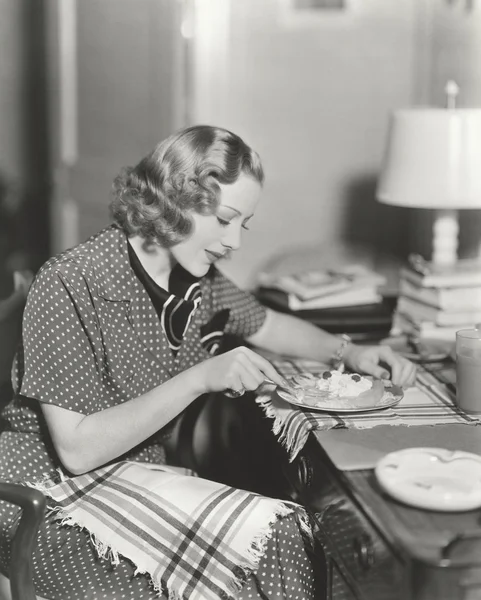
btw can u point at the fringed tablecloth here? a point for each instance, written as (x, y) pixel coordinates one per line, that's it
(431, 402)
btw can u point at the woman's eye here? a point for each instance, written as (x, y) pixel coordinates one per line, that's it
(244, 226)
(223, 222)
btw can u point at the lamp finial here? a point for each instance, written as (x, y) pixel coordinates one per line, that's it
(452, 90)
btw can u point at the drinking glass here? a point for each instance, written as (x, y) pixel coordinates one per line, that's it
(468, 370)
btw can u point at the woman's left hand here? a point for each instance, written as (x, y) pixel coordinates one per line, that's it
(376, 360)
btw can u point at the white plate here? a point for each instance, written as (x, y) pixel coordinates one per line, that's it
(378, 397)
(432, 478)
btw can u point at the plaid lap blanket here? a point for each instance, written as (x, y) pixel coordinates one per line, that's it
(196, 539)
(431, 402)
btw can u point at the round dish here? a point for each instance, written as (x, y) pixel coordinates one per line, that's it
(423, 351)
(432, 478)
(378, 397)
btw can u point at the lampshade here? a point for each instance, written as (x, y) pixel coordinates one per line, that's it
(433, 160)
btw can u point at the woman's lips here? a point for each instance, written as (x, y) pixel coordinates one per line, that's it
(214, 255)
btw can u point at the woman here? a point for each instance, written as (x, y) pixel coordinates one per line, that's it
(120, 336)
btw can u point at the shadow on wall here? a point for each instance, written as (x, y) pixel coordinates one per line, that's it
(36, 179)
(396, 232)
(7, 236)
(469, 234)
(13, 255)
(25, 173)
(382, 230)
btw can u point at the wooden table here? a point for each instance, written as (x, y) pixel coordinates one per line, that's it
(376, 547)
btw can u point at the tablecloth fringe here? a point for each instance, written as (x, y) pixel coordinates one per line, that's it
(292, 444)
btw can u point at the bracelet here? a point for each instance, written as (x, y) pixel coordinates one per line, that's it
(336, 360)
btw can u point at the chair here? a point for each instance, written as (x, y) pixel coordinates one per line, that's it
(33, 504)
(19, 586)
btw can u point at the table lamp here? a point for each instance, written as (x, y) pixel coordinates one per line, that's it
(433, 161)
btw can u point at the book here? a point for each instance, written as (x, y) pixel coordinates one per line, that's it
(418, 312)
(449, 299)
(366, 322)
(348, 297)
(315, 284)
(426, 330)
(464, 273)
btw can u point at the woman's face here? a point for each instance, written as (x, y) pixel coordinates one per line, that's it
(214, 236)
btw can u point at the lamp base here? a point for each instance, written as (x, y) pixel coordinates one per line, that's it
(445, 237)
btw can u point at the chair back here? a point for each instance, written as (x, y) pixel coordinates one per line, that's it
(20, 586)
(11, 313)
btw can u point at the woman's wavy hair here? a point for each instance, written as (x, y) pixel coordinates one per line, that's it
(181, 175)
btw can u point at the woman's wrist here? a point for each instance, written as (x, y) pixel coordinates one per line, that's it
(194, 381)
(339, 357)
(351, 356)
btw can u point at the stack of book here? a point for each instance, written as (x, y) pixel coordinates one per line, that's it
(345, 300)
(353, 285)
(435, 302)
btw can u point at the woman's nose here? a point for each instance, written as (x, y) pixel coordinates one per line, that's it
(232, 237)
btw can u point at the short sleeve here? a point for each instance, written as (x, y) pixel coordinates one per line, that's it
(61, 342)
(247, 314)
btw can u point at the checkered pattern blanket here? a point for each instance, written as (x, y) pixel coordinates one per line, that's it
(196, 539)
(431, 402)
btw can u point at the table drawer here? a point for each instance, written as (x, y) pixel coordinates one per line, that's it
(368, 564)
(361, 554)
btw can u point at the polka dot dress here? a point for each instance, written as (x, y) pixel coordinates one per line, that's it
(92, 339)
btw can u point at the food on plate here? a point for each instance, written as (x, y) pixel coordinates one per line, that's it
(335, 390)
(336, 383)
(343, 384)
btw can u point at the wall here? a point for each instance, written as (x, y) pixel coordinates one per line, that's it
(312, 96)
(314, 99)
(114, 95)
(456, 51)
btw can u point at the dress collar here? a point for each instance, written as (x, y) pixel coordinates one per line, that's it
(110, 261)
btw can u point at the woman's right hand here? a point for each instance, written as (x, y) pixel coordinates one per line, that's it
(238, 370)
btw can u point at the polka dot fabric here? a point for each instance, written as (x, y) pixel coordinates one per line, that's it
(246, 314)
(92, 339)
